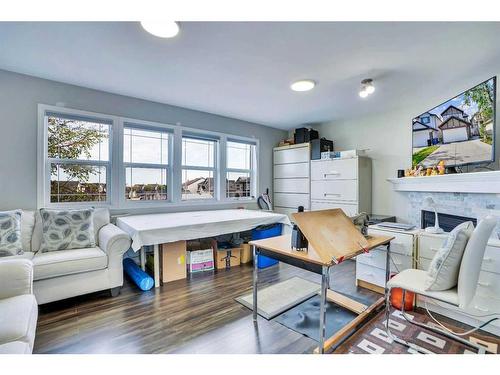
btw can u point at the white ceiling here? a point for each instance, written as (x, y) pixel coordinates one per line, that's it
(244, 69)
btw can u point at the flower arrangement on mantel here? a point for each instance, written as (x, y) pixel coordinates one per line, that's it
(420, 171)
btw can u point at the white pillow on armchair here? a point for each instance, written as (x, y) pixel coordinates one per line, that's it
(445, 266)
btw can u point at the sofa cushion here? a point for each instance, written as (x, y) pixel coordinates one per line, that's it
(15, 347)
(444, 268)
(18, 319)
(67, 262)
(101, 218)
(67, 229)
(10, 233)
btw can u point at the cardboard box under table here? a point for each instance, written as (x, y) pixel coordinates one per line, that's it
(173, 261)
(333, 238)
(200, 256)
(226, 256)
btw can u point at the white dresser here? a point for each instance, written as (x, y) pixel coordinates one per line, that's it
(370, 267)
(291, 166)
(487, 299)
(342, 183)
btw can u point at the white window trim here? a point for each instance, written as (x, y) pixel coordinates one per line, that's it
(252, 171)
(115, 177)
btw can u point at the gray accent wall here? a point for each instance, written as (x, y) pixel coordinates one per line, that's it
(20, 95)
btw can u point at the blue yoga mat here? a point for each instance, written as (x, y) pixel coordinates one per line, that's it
(141, 278)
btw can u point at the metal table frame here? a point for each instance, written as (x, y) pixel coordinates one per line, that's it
(323, 270)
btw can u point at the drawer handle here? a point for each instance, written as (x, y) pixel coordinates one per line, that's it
(369, 274)
(483, 284)
(332, 173)
(489, 260)
(336, 194)
(434, 249)
(480, 308)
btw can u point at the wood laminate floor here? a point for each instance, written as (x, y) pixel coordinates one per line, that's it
(198, 315)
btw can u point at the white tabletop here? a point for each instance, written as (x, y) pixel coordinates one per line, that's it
(152, 229)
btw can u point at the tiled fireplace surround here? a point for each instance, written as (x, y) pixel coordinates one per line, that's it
(476, 205)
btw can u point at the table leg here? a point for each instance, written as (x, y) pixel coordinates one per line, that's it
(156, 256)
(142, 255)
(255, 279)
(386, 290)
(325, 281)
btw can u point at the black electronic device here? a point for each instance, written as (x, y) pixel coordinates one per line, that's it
(299, 241)
(304, 135)
(320, 145)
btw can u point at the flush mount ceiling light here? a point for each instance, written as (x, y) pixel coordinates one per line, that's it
(367, 88)
(303, 85)
(161, 29)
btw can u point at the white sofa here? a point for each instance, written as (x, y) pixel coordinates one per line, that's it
(18, 307)
(67, 273)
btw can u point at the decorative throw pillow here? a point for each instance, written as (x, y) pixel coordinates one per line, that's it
(10, 233)
(445, 266)
(67, 229)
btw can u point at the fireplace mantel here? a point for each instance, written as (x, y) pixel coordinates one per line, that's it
(479, 182)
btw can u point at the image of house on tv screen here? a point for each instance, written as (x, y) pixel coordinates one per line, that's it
(459, 131)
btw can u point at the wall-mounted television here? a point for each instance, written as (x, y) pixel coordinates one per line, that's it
(460, 131)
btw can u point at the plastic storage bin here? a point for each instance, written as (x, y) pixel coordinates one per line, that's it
(262, 232)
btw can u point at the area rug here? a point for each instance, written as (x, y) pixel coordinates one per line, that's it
(275, 299)
(373, 339)
(304, 318)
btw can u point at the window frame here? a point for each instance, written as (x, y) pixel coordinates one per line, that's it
(207, 136)
(151, 126)
(44, 167)
(252, 171)
(115, 172)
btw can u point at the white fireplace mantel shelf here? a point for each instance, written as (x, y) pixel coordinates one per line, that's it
(479, 182)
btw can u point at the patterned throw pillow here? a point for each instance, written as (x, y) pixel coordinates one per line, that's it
(67, 229)
(10, 233)
(445, 266)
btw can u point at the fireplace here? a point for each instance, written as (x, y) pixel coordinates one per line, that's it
(446, 221)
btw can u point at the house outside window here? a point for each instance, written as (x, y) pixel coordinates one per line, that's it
(425, 120)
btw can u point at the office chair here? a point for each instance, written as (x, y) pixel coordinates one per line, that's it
(413, 280)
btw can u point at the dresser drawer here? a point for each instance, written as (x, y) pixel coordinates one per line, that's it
(491, 260)
(376, 258)
(291, 200)
(291, 185)
(293, 155)
(401, 244)
(370, 274)
(340, 190)
(423, 264)
(488, 285)
(429, 245)
(334, 169)
(298, 170)
(350, 209)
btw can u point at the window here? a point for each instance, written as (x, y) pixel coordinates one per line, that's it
(425, 119)
(78, 158)
(240, 169)
(146, 163)
(198, 168)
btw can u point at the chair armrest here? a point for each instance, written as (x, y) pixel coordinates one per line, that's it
(16, 277)
(113, 241)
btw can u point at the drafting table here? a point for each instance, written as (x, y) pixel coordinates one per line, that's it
(332, 239)
(156, 229)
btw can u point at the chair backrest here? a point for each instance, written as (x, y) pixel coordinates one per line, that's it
(472, 259)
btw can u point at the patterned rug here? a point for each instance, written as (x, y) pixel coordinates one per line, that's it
(373, 339)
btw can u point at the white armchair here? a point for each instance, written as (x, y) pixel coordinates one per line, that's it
(18, 307)
(414, 281)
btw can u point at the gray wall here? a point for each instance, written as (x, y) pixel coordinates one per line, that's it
(20, 95)
(388, 136)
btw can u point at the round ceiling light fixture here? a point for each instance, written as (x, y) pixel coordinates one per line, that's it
(303, 85)
(367, 87)
(161, 29)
